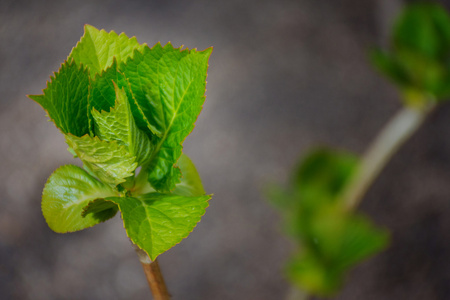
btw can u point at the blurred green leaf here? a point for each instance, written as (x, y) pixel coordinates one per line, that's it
(418, 60)
(330, 238)
(336, 242)
(324, 173)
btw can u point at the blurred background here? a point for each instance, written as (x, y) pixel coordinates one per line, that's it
(284, 77)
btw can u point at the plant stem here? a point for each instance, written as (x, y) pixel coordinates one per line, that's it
(389, 140)
(297, 294)
(153, 274)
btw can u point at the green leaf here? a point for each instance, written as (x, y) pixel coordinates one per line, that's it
(156, 222)
(65, 99)
(109, 161)
(97, 49)
(360, 239)
(169, 87)
(423, 28)
(331, 239)
(307, 271)
(419, 54)
(118, 125)
(68, 190)
(336, 242)
(190, 183)
(325, 173)
(102, 95)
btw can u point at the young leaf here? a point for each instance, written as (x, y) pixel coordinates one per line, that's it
(331, 239)
(118, 125)
(338, 241)
(97, 49)
(109, 161)
(169, 87)
(65, 99)
(190, 183)
(417, 60)
(102, 95)
(324, 173)
(165, 219)
(156, 222)
(68, 190)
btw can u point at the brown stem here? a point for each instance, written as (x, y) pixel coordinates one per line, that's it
(153, 274)
(155, 280)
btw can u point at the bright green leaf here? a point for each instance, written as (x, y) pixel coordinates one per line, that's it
(65, 99)
(169, 86)
(118, 125)
(68, 190)
(190, 183)
(109, 161)
(156, 222)
(102, 95)
(97, 49)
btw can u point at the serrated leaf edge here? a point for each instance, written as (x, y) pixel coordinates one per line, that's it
(50, 80)
(182, 238)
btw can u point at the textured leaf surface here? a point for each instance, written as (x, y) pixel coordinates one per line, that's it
(169, 87)
(118, 125)
(66, 98)
(97, 49)
(109, 161)
(102, 95)
(156, 222)
(160, 221)
(68, 190)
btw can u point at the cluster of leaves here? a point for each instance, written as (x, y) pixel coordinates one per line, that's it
(331, 239)
(418, 60)
(122, 105)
